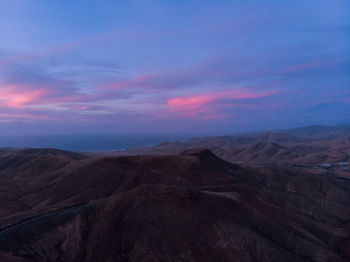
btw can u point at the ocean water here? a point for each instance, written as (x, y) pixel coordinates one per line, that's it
(87, 143)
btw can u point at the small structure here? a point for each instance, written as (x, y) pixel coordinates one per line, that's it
(326, 165)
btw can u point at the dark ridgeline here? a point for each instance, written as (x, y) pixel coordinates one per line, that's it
(306, 147)
(62, 206)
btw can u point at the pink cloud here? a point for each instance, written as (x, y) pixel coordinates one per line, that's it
(205, 105)
(15, 97)
(25, 96)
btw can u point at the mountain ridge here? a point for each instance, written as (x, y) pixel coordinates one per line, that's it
(168, 207)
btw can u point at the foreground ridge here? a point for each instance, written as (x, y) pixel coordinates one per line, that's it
(190, 206)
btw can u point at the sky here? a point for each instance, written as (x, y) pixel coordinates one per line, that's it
(200, 67)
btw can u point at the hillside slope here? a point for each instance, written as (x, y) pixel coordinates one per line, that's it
(188, 207)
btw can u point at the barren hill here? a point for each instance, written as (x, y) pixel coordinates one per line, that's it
(188, 207)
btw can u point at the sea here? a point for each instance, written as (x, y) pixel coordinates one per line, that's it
(87, 143)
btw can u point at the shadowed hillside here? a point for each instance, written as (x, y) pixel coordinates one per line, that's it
(308, 148)
(188, 207)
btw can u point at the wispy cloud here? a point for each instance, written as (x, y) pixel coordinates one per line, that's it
(204, 105)
(228, 61)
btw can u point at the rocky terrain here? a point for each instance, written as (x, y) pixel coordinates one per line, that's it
(317, 149)
(192, 206)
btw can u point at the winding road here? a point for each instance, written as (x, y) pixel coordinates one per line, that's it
(38, 218)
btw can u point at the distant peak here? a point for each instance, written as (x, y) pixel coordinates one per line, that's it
(197, 152)
(49, 151)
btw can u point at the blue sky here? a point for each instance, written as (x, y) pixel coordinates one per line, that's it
(172, 66)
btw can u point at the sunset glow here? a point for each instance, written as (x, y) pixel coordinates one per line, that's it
(11, 96)
(231, 68)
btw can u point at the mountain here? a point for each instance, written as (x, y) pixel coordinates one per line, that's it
(261, 153)
(192, 206)
(320, 131)
(309, 147)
